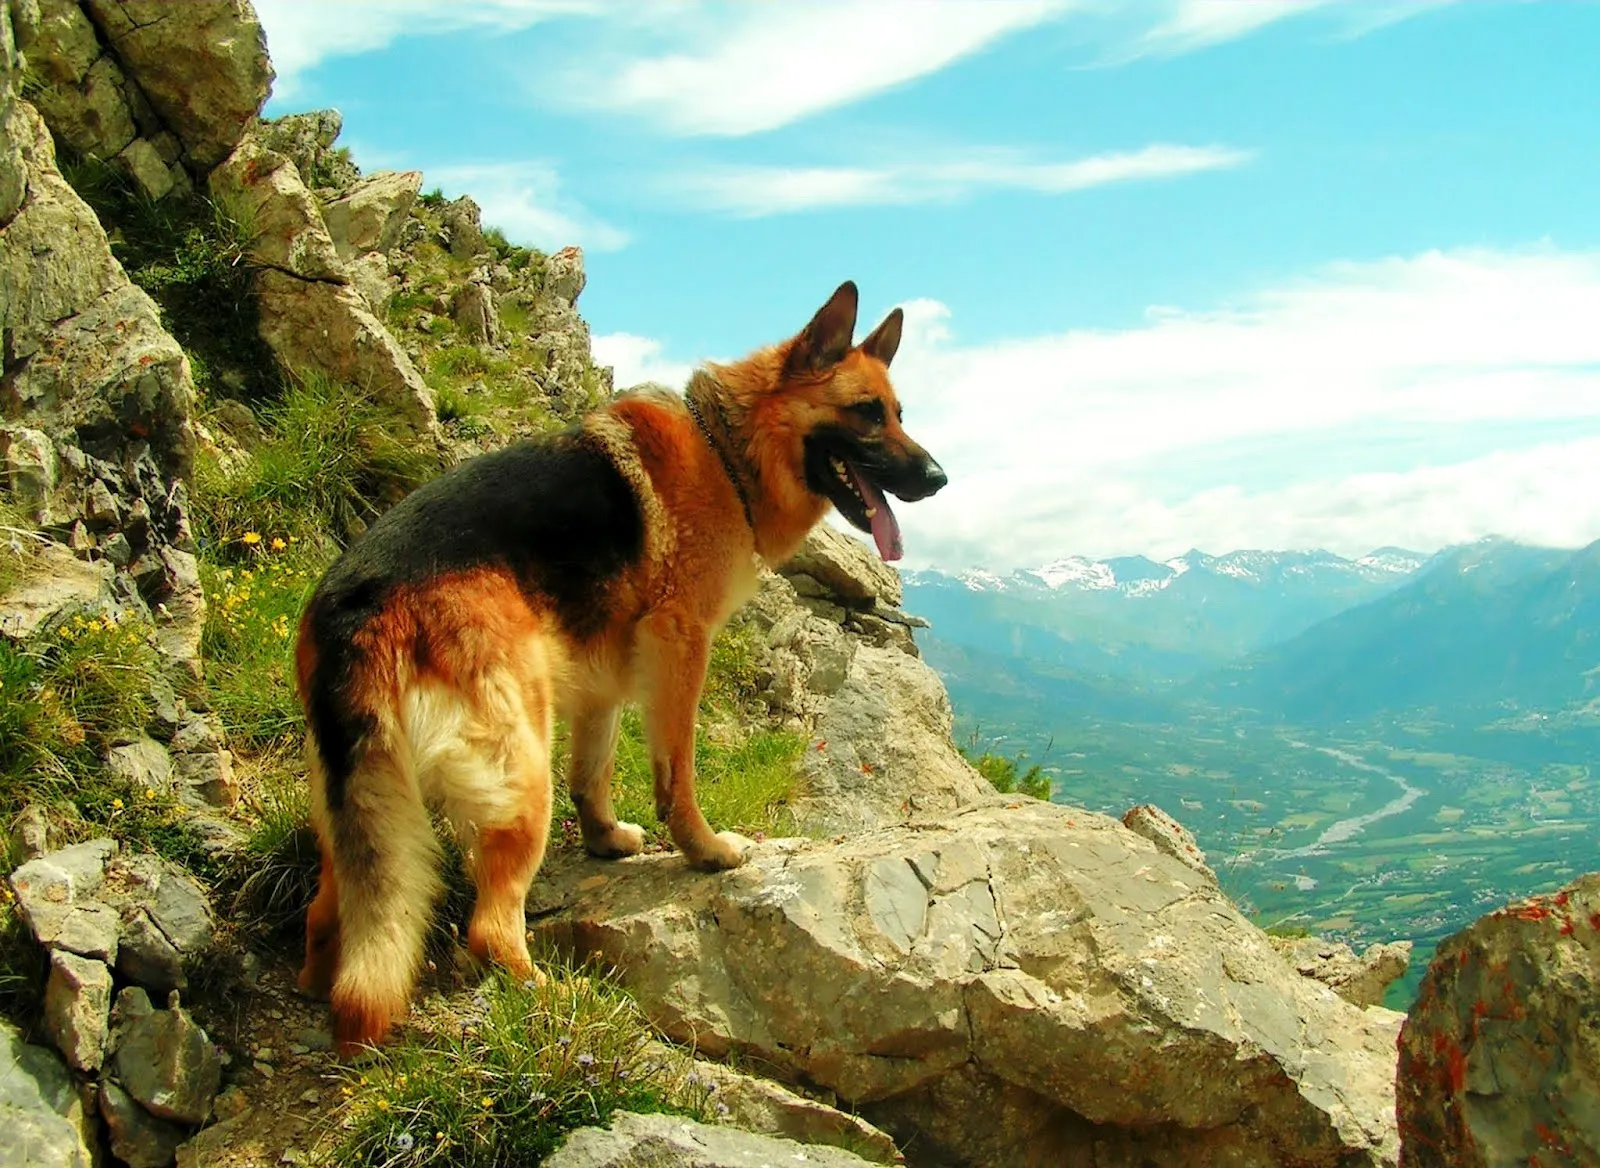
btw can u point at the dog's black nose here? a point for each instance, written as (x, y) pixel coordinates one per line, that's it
(935, 475)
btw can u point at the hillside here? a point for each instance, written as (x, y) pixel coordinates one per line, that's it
(1493, 628)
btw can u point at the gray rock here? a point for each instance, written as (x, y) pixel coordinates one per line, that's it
(61, 44)
(655, 1141)
(308, 140)
(41, 1113)
(49, 888)
(77, 1008)
(475, 313)
(464, 227)
(89, 930)
(197, 734)
(1168, 835)
(848, 568)
(206, 1149)
(1358, 979)
(138, 1139)
(141, 764)
(564, 275)
(168, 1064)
(369, 216)
(166, 922)
(206, 779)
(30, 833)
(1499, 1059)
(140, 161)
(289, 232)
(202, 64)
(30, 466)
(91, 118)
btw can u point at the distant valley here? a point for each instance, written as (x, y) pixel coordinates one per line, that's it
(1368, 748)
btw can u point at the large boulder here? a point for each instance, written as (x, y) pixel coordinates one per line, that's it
(202, 64)
(41, 1114)
(1500, 1057)
(1360, 978)
(369, 215)
(1091, 998)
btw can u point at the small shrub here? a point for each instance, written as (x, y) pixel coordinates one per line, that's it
(496, 239)
(1005, 775)
(504, 1084)
(433, 199)
(191, 255)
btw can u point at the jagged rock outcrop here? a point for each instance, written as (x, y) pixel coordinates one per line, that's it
(161, 90)
(1040, 966)
(310, 316)
(876, 717)
(1360, 979)
(644, 1141)
(1500, 1056)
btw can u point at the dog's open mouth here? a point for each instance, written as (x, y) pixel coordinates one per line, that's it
(861, 502)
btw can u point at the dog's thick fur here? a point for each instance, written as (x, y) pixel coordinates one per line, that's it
(564, 576)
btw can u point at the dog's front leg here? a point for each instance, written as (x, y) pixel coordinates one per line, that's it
(675, 653)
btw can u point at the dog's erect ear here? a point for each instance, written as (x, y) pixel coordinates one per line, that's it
(884, 340)
(823, 343)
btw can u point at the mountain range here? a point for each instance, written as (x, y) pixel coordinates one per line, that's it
(1302, 636)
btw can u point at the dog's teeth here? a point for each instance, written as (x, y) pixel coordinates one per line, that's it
(871, 511)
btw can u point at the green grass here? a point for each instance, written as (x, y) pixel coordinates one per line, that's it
(332, 463)
(503, 1084)
(65, 697)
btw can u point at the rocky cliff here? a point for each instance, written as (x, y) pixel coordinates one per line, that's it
(225, 349)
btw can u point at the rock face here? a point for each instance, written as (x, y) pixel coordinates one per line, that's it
(1500, 1057)
(1094, 999)
(649, 1141)
(96, 400)
(41, 1114)
(877, 717)
(310, 315)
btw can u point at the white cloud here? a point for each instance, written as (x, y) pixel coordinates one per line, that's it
(524, 200)
(1185, 26)
(771, 190)
(635, 359)
(1073, 442)
(303, 33)
(743, 68)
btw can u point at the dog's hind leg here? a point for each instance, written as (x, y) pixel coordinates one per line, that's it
(322, 931)
(495, 787)
(594, 747)
(385, 867)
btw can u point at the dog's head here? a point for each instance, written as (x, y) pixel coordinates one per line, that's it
(836, 400)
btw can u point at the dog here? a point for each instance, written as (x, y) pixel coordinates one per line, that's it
(563, 577)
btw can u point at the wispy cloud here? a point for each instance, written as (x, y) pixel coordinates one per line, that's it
(524, 200)
(1106, 441)
(755, 191)
(743, 68)
(303, 33)
(1184, 26)
(635, 360)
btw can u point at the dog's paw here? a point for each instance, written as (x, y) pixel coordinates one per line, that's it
(723, 851)
(624, 839)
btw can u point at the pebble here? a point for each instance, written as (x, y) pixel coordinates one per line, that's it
(311, 1096)
(313, 1039)
(265, 1070)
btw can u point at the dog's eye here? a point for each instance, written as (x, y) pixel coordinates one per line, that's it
(871, 410)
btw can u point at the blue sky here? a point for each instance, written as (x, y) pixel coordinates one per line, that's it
(1215, 273)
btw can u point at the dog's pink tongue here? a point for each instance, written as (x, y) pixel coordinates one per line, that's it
(885, 528)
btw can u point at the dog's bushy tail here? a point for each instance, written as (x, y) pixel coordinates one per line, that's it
(378, 843)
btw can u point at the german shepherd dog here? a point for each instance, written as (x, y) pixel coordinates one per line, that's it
(563, 576)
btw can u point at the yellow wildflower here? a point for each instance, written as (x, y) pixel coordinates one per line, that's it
(250, 537)
(383, 1105)
(278, 545)
(116, 804)
(486, 1101)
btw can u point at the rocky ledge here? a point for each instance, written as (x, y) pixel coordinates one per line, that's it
(1097, 1000)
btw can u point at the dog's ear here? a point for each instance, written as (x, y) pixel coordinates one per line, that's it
(823, 343)
(884, 340)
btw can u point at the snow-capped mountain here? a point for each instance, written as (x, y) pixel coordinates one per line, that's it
(1152, 618)
(1137, 576)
